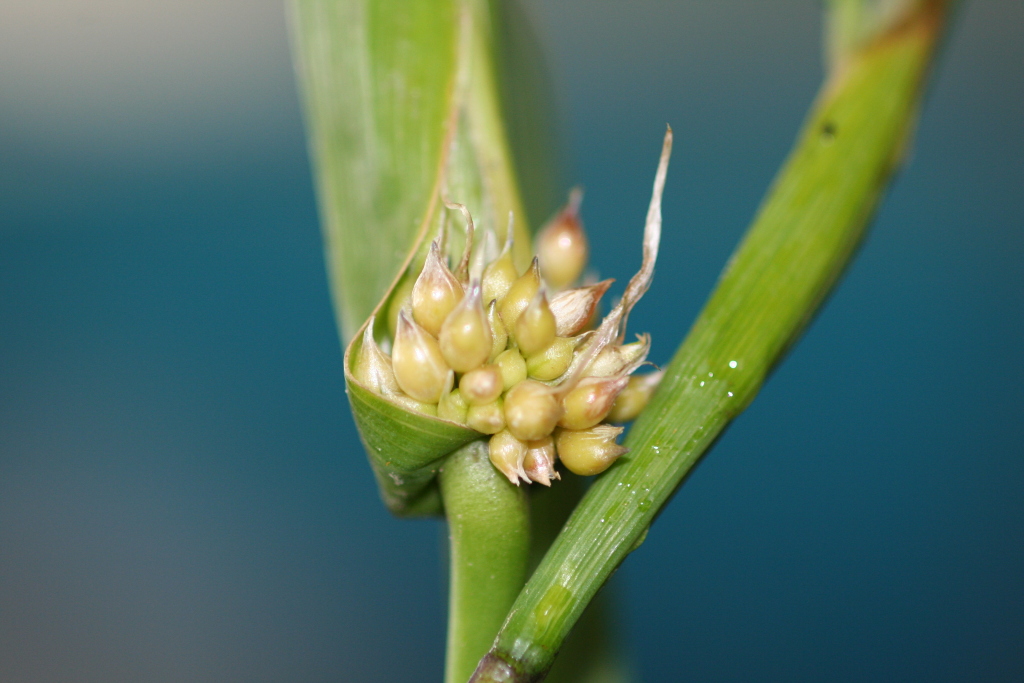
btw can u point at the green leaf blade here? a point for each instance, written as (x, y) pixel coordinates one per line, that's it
(377, 86)
(803, 237)
(402, 114)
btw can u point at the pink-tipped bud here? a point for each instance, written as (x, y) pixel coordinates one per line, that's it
(499, 337)
(499, 275)
(532, 410)
(465, 337)
(574, 308)
(617, 360)
(535, 328)
(418, 364)
(539, 462)
(552, 362)
(634, 398)
(436, 292)
(512, 367)
(507, 454)
(518, 296)
(589, 451)
(482, 385)
(590, 402)
(562, 246)
(488, 418)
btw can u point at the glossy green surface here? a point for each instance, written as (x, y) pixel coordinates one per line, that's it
(803, 237)
(489, 532)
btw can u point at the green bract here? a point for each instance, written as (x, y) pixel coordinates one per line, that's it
(403, 112)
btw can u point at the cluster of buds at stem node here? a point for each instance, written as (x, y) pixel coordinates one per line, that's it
(521, 356)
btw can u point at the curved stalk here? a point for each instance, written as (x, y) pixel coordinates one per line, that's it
(488, 528)
(802, 239)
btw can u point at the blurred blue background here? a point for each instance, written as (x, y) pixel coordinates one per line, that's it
(182, 492)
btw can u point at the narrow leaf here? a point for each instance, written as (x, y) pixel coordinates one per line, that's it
(405, 120)
(377, 85)
(802, 238)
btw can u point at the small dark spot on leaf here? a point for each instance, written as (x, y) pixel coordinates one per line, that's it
(828, 131)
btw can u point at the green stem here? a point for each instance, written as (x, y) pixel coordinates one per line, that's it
(488, 523)
(593, 652)
(798, 246)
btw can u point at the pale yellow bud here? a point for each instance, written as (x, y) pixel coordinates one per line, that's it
(562, 246)
(590, 401)
(465, 338)
(488, 418)
(616, 360)
(539, 462)
(482, 385)
(417, 361)
(518, 296)
(499, 276)
(512, 367)
(532, 410)
(499, 337)
(535, 328)
(574, 308)
(371, 367)
(589, 451)
(453, 405)
(552, 362)
(507, 454)
(634, 398)
(436, 292)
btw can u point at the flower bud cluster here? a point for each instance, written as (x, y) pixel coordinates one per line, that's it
(514, 355)
(520, 356)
